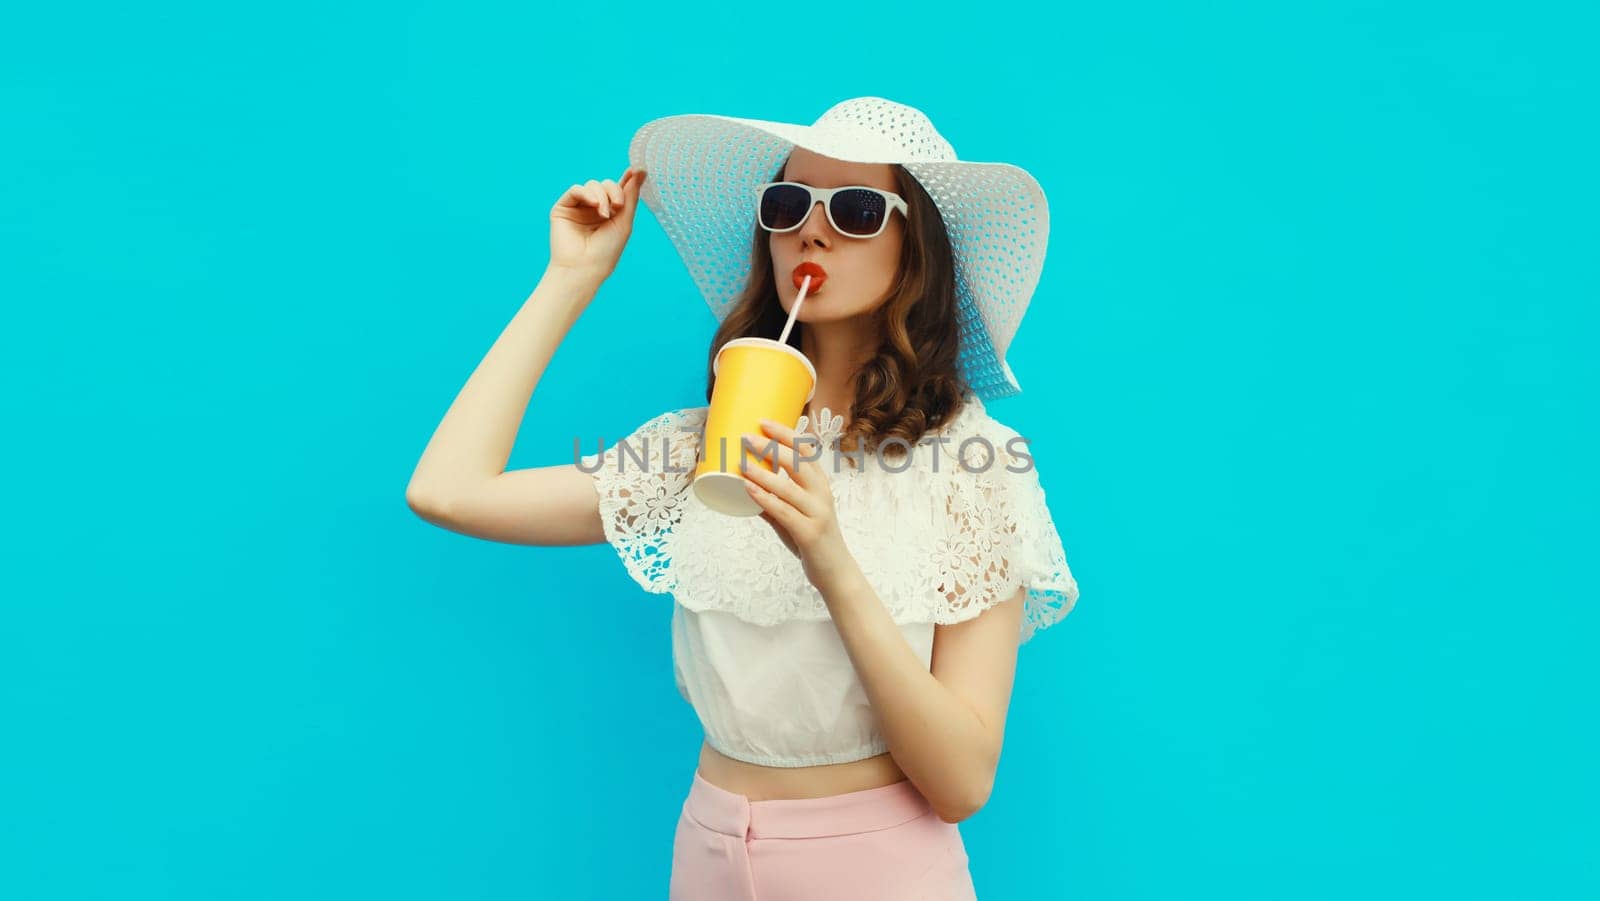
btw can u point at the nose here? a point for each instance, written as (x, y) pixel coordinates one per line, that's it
(816, 229)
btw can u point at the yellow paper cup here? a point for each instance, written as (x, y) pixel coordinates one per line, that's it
(756, 379)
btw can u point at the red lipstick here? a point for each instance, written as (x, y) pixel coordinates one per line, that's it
(815, 270)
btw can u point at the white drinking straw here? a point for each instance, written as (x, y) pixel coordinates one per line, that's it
(805, 284)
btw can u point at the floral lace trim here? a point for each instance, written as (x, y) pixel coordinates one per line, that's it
(829, 426)
(644, 492)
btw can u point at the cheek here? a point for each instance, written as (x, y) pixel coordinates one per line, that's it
(886, 258)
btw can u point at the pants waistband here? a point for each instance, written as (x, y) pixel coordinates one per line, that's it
(868, 810)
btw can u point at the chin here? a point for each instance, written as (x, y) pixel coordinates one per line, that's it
(819, 298)
(818, 316)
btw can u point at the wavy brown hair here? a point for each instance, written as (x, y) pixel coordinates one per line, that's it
(913, 383)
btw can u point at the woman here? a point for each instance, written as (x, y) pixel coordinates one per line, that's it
(850, 651)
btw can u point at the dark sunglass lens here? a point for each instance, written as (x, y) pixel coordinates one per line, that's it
(859, 212)
(783, 205)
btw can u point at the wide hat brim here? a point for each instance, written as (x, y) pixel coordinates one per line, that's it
(703, 169)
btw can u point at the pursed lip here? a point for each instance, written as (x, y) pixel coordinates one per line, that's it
(813, 269)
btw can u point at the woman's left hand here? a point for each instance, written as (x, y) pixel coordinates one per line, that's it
(800, 507)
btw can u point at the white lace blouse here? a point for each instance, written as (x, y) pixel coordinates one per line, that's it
(941, 537)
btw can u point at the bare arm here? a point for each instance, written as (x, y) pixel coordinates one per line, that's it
(461, 482)
(945, 725)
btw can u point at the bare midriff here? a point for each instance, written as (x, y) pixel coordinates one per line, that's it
(768, 783)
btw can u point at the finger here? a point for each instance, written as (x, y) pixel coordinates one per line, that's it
(792, 492)
(613, 193)
(783, 433)
(630, 191)
(776, 508)
(776, 452)
(576, 196)
(579, 197)
(808, 449)
(788, 454)
(597, 196)
(767, 448)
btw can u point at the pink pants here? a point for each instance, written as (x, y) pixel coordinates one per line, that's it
(883, 844)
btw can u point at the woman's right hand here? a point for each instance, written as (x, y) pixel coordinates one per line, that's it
(591, 223)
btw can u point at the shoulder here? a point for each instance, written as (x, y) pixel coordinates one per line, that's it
(671, 429)
(682, 415)
(986, 450)
(671, 422)
(975, 435)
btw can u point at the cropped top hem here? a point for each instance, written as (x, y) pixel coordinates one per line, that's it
(870, 750)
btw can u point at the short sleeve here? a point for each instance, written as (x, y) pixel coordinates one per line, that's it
(1002, 537)
(642, 482)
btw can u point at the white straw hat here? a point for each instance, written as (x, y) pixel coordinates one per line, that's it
(703, 170)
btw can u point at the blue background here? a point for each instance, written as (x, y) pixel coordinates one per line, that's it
(1310, 378)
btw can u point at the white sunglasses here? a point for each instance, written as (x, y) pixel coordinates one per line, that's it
(855, 211)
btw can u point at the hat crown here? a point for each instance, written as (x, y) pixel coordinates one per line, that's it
(893, 130)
